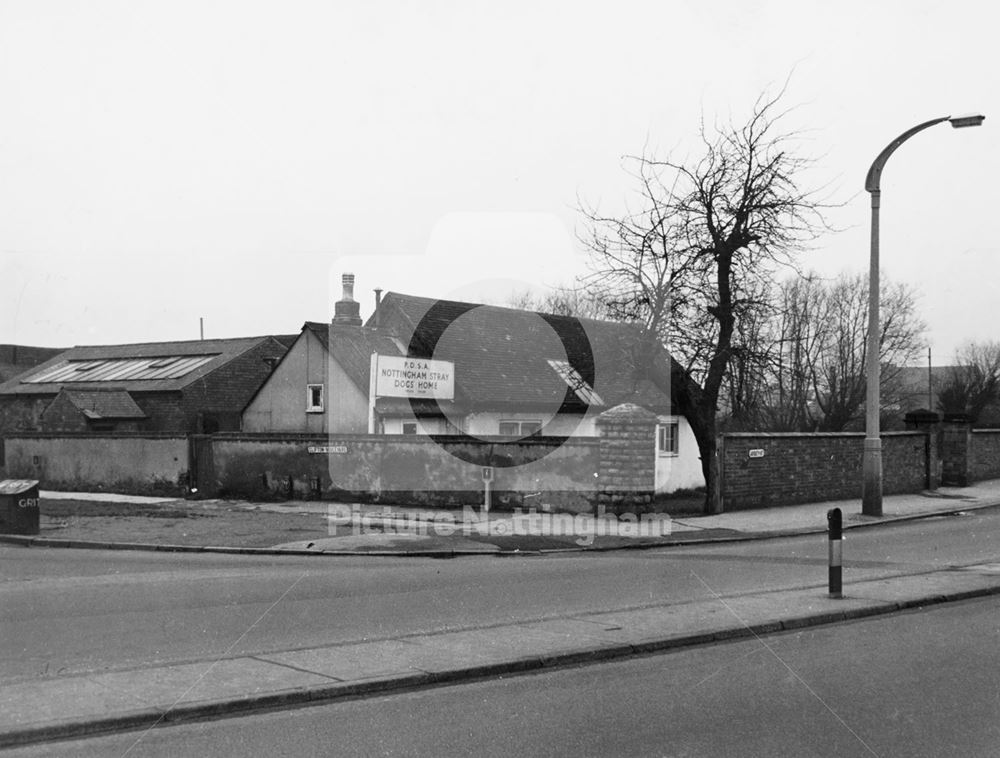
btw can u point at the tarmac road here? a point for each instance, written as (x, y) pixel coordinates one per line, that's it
(69, 611)
(918, 684)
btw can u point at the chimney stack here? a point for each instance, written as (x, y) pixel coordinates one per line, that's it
(347, 310)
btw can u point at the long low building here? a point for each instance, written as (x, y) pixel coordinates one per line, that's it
(454, 368)
(193, 386)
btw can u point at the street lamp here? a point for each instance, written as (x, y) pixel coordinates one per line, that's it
(871, 497)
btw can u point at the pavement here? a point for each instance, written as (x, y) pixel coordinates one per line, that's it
(144, 697)
(107, 521)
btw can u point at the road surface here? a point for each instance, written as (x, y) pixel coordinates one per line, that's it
(923, 683)
(66, 611)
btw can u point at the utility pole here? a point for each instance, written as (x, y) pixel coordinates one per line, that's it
(930, 381)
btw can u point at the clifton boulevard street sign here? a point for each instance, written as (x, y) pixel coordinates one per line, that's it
(413, 377)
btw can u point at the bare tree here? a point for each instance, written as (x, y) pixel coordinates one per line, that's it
(569, 300)
(973, 382)
(839, 373)
(745, 396)
(690, 261)
(801, 333)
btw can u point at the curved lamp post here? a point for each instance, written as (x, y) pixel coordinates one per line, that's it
(871, 498)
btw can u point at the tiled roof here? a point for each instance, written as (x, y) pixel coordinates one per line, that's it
(142, 366)
(105, 404)
(507, 357)
(352, 347)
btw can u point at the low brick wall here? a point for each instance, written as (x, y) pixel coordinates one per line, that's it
(404, 469)
(140, 464)
(807, 468)
(579, 474)
(984, 454)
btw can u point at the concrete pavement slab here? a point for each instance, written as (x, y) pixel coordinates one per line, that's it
(368, 660)
(165, 687)
(517, 642)
(41, 702)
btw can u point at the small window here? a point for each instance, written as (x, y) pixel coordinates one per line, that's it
(90, 366)
(314, 398)
(409, 427)
(163, 362)
(666, 438)
(519, 428)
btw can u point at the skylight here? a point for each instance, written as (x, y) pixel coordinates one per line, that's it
(576, 382)
(163, 362)
(88, 366)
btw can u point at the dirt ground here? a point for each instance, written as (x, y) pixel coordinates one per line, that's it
(184, 524)
(238, 524)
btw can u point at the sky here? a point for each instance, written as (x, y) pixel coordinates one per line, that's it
(166, 162)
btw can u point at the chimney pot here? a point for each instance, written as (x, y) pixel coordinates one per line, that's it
(347, 310)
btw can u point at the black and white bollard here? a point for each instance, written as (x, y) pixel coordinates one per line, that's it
(835, 525)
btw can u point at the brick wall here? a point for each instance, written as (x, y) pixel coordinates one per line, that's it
(141, 464)
(165, 411)
(22, 413)
(575, 474)
(805, 468)
(627, 463)
(220, 396)
(62, 416)
(439, 471)
(984, 458)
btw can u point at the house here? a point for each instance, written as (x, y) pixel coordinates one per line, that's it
(193, 386)
(509, 373)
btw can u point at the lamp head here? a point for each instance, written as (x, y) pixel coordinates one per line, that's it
(972, 119)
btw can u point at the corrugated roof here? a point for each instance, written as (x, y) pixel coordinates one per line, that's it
(104, 404)
(120, 369)
(130, 367)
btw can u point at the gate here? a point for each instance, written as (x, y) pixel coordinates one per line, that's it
(201, 465)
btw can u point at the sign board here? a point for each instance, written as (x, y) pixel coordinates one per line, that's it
(757, 453)
(414, 377)
(487, 473)
(322, 449)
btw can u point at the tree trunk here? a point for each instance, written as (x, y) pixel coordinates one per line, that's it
(705, 434)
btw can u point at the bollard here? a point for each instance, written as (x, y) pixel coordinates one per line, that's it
(835, 525)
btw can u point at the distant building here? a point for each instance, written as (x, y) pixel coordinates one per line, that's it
(914, 387)
(16, 359)
(516, 373)
(196, 386)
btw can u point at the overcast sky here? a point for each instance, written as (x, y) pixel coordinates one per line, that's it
(166, 161)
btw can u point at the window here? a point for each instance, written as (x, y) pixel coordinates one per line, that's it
(666, 438)
(163, 362)
(409, 427)
(576, 382)
(314, 398)
(90, 366)
(530, 427)
(519, 428)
